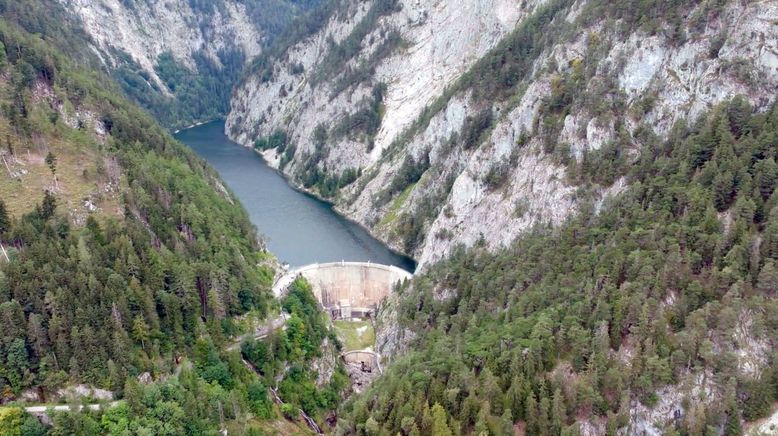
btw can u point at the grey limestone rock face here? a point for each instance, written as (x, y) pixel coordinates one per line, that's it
(682, 80)
(150, 28)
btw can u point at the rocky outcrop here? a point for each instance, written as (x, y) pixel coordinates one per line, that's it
(76, 392)
(440, 41)
(515, 173)
(391, 338)
(141, 31)
(766, 426)
(326, 365)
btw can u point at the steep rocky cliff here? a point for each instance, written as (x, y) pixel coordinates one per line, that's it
(417, 48)
(142, 31)
(436, 124)
(181, 56)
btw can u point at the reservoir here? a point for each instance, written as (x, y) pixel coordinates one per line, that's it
(297, 228)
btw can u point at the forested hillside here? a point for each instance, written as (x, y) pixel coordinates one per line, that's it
(122, 255)
(654, 312)
(284, 360)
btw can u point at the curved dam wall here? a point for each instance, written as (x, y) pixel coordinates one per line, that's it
(361, 285)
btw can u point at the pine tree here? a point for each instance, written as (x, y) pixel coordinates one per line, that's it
(12, 323)
(133, 396)
(51, 161)
(733, 426)
(140, 331)
(426, 420)
(469, 410)
(766, 176)
(5, 220)
(544, 424)
(769, 246)
(484, 417)
(506, 420)
(695, 420)
(723, 190)
(48, 206)
(439, 421)
(75, 368)
(514, 398)
(5, 290)
(531, 415)
(216, 305)
(115, 377)
(558, 414)
(739, 112)
(490, 389)
(37, 334)
(767, 281)
(759, 397)
(16, 364)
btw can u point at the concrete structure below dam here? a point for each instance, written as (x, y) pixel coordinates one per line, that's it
(346, 289)
(349, 290)
(369, 360)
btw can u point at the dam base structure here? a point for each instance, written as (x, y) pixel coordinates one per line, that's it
(350, 291)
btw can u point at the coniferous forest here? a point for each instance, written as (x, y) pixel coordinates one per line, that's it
(602, 313)
(128, 291)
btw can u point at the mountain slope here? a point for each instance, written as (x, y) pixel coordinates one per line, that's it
(179, 59)
(580, 193)
(501, 149)
(109, 268)
(126, 266)
(590, 187)
(365, 44)
(654, 315)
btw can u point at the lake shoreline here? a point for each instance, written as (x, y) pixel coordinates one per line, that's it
(312, 194)
(299, 226)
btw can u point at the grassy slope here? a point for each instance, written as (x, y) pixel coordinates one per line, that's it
(83, 170)
(356, 335)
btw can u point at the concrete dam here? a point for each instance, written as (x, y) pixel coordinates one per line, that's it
(350, 292)
(346, 289)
